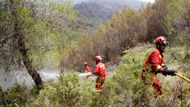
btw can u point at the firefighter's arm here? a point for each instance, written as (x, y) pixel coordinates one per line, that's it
(96, 70)
(160, 68)
(155, 62)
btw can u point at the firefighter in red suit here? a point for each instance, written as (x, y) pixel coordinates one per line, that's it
(154, 64)
(99, 71)
(86, 69)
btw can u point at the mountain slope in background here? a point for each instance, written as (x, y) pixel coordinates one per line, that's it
(94, 12)
(131, 3)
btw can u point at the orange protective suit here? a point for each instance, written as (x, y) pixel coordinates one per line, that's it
(100, 71)
(153, 66)
(86, 68)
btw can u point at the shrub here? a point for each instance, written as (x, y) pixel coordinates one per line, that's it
(16, 96)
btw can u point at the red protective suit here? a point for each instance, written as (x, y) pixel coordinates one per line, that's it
(153, 66)
(100, 71)
(86, 68)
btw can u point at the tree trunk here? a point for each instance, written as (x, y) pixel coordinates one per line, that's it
(28, 63)
(23, 49)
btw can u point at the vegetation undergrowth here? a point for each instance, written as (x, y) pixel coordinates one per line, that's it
(123, 87)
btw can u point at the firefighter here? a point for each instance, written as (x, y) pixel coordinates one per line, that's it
(86, 69)
(99, 71)
(154, 64)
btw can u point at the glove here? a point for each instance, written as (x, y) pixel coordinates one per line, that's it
(165, 67)
(169, 72)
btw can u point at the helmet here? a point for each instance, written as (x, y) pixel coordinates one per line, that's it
(98, 58)
(85, 63)
(161, 40)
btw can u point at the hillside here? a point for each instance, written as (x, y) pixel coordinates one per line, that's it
(122, 86)
(96, 12)
(131, 3)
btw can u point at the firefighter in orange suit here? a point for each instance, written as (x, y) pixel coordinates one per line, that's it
(86, 69)
(154, 64)
(99, 71)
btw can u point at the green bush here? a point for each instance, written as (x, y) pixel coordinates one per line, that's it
(69, 91)
(16, 96)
